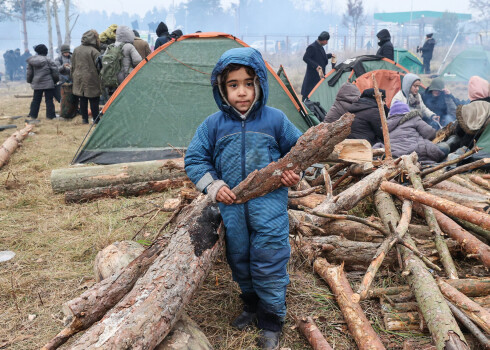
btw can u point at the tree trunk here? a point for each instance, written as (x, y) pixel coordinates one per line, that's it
(441, 323)
(480, 181)
(57, 24)
(125, 190)
(475, 201)
(310, 201)
(83, 177)
(24, 23)
(468, 184)
(146, 315)
(450, 186)
(357, 322)
(312, 147)
(384, 125)
(50, 29)
(11, 144)
(447, 207)
(461, 169)
(185, 335)
(311, 332)
(67, 22)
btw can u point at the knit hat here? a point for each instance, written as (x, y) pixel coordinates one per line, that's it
(41, 49)
(65, 48)
(324, 36)
(429, 35)
(136, 34)
(399, 107)
(436, 85)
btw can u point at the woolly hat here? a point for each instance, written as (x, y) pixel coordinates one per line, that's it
(399, 107)
(429, 35)
(324, 36)
(41, 49)
(436, 85)
(65, 48)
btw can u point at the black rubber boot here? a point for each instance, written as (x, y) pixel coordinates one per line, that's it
(270, 326)
(249, 315)
(454, 142)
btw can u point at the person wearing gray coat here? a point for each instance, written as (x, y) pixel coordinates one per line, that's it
(42, 74)
(131, 57)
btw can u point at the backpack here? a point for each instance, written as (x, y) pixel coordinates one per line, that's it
(111, 65)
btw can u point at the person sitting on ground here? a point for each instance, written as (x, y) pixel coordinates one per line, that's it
(257, 243)
(163, 36)
(439, 100)
(347, 95)
(141, 45)
(131, 57)
(385, 45)
(367, 123)
(42, 74)
(409, 94)
(409, 133)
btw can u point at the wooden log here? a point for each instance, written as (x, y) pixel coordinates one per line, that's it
(384, 124)
(404, 321)
(461, 169)
(357, 322)
(311, 332)
(460, 180)
(443, 205)
(310, 201)
(485, 176)
(185, 335)
(454, 187)
(351, 150)
(483, 301)
(419, 231)
(479, 181)
(313, 146)
(124, 190)
(446, 259)
(476, 202)
(449, 162)
(469, 243)
(471, 309)
(304, 193)
(443, 327)
(484, 234)
(83, 177)
(11, 143)
(146, 315)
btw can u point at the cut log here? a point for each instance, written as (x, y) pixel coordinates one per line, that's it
(471, 309)
(483, 301)
(404, 321)
(454, 187)
(304, 193)
(441, 323)
(82, 177)
(460, 180)
(124, 190)
(11, 143)
(115, 257)
(479, 181)
(185, 335)
(482, 233)
(146, 315)
(461, 169)
(310, 201)
(312, 147)
(475, 201)
(447, 207)
(352, 150)
(469, 243)
(357, 322)
(384, 124)
(311, 332)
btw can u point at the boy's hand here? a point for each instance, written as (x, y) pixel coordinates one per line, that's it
(289, 178)
(225, 195)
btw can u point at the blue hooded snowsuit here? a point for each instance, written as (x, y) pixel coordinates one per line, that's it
(228, 148)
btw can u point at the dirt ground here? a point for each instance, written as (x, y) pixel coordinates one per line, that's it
(56, 243)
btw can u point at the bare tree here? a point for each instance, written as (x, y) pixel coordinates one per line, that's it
(483, 9)
(50, 28)
(354, 17)
(57, 23)
(23, 10)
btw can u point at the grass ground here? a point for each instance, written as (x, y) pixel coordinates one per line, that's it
(56, 243)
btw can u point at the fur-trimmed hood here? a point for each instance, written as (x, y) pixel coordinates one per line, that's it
(399, 119)
(474, 116)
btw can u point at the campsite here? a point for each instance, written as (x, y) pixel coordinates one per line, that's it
(113, 235)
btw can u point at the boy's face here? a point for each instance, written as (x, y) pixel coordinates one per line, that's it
(240, 90)
(414, 90)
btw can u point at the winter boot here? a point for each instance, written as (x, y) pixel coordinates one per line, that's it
(270, 326)
(249, 315)
(454, 142)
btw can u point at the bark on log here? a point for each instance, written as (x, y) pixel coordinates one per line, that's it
(460, 180)
(482, 233)
(185, 335)
(404, 321)
(304, 193)
(11, 143)
(471, 309)
(458, 170)
(352, 150)
(469, 243)
(449, 162)
(82, 177)
(311, 332)
(310, 201)
(384, 124)
(357, 322)
(480, 181)
(441, 323)
(454, 187)
(313, 146)
(443, 205)
(124, 190)
(145, 315)
(476, 202)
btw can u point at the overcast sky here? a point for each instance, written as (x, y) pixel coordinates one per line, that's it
(141, 7)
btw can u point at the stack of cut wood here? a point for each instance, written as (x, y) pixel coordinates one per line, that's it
(139, 306)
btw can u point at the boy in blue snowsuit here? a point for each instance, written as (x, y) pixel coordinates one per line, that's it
(243, 136)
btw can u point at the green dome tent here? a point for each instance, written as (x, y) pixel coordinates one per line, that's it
(408, 60)
(472, 61)
(348, 71)
(155, 112)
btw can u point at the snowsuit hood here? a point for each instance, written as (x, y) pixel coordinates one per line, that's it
(246, 56)
(124, 34)
(383, 36)
(91, 38)
(407, 83)
(161, 29)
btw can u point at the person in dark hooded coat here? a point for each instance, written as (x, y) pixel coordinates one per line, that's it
(439, 100)
(367, 123)
(385, 45)
(163, 36)
(427, 50)
(316, 60)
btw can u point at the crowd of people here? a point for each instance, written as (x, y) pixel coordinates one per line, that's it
(90, 74)
(15, 64)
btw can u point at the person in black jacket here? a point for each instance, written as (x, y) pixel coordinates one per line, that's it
(427, 50)
(163, 35)
(385, 45)
(316, 60)
(367, 123)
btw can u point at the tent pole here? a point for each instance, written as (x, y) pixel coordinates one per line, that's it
(447, 54)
